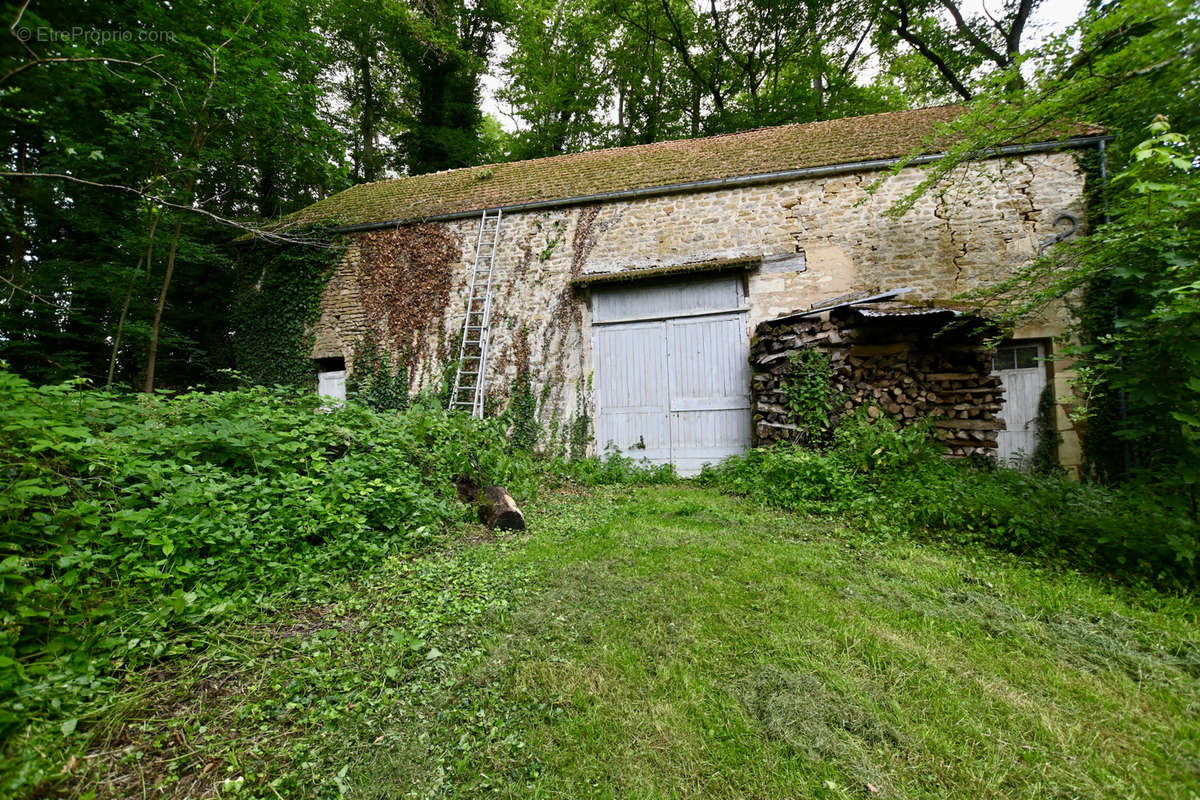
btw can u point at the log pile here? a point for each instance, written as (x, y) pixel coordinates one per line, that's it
(903, 363)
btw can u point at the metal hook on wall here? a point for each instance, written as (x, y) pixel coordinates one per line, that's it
(1058, 237)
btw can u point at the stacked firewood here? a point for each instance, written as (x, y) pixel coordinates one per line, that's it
(907, 367)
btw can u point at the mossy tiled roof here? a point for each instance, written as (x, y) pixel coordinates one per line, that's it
(755, 152)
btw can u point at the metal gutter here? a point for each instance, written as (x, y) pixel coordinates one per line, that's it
(736, 182)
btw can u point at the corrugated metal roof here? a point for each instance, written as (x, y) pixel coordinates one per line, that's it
(854, 300)
(914, 311)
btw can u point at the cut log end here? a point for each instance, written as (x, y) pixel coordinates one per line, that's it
(498, 511)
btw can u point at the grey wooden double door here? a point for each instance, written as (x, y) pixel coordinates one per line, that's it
(672, 375)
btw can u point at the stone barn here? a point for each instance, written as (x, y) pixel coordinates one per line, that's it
(623, 287)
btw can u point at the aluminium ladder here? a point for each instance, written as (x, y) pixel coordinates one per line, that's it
(469, 377)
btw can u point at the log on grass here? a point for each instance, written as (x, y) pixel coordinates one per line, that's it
(498, 511)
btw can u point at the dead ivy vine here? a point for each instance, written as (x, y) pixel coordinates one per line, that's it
(405, 277)
(566, 313)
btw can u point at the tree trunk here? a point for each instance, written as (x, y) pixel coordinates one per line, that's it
(152, 356)
(370, 170)
(17, 193)
(146, 259)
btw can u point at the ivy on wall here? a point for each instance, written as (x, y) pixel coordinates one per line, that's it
(276, 304)
(405, 276)
(579, 430)
(521, 415)
(374, 381)
(1045, 453)
(525, 431)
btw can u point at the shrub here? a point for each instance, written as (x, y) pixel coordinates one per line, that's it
(809, 394)
(614, 469)
(882, 445)
(127, 522)
(892, 481)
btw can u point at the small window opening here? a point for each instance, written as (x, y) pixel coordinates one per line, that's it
(331, 378)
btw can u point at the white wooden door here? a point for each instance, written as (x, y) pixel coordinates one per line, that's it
(332, 384)
(1023, 376)
(673, 382)
(709, 389)
(631, 391)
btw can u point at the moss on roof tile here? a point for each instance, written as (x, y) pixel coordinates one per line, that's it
(754, 152)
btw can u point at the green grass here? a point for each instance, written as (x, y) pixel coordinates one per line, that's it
(673, 642)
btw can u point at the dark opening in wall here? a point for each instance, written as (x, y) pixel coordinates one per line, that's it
(330, 364)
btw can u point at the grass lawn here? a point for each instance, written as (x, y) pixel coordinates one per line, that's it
(672, 642)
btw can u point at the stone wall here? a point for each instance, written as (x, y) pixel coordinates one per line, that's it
(835, 238)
